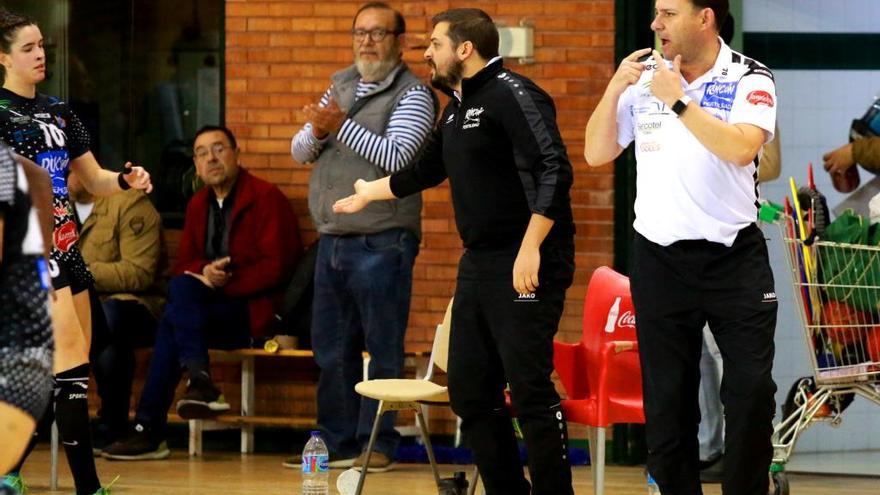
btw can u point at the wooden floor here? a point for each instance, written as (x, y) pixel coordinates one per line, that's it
(232, 474)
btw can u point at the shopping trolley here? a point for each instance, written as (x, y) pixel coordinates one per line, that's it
(837, 294)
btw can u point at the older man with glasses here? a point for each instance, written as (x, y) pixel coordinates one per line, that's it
(239, 245)
(372, 121)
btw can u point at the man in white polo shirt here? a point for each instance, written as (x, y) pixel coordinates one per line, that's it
(699, 114)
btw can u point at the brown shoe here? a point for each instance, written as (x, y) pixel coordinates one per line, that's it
(379, 462)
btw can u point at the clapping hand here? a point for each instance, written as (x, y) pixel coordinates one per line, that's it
(325, 120)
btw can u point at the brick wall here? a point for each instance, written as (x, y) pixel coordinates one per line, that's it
(280, 55)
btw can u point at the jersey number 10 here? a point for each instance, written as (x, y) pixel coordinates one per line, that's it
(54, 135)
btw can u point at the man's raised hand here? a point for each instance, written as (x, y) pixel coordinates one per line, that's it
(666, 84)
(629, 71)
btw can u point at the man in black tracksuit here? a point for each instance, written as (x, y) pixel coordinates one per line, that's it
(498, 143)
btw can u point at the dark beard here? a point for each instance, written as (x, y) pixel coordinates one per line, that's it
(448, 81)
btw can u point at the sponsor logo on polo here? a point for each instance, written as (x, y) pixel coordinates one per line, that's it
(719, 95)
(649, 146)
(649, 127)
(760, 98)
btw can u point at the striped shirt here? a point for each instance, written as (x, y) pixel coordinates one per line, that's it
(409, 126)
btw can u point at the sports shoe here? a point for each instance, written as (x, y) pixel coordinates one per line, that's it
(201, 401)
(379, 462)
(105, 490)
(13, 484)
(140, 446)
(336, 462)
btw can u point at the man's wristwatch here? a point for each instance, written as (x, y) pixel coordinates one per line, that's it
(681, 105)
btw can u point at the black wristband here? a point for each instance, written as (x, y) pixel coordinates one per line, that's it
(121, 180)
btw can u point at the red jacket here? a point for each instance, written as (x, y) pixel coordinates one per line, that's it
(264, 245)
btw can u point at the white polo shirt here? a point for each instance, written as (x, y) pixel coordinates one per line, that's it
(683, 191)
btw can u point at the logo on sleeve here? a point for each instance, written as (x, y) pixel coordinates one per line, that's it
(719, 95)
(472, 118)
(760, 98)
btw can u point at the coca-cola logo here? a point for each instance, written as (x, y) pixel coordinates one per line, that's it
(627, 319)
(760, 98)
(65, 237)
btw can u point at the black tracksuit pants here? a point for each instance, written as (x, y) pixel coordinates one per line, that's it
(498, 337)
(677, 289)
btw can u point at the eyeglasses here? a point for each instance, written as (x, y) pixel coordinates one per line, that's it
(216, 149)
(376, 35)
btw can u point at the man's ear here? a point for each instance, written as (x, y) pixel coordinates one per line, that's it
(465, 50)
(706, 17)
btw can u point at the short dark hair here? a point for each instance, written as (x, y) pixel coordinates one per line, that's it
(399, 22)
(728, 29)
(472, 25)
(10, 23)
(220, 128)
(720, 7)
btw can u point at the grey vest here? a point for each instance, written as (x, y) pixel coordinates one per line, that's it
(338, 167)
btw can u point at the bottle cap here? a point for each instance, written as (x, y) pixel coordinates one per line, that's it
(271, 345)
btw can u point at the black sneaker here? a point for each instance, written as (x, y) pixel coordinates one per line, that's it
(140, 446)
(336, 462)
(201, 401)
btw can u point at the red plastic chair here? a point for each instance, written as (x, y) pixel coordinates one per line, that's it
(601, 373)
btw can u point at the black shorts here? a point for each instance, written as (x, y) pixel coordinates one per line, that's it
(25, 337)
(68, 269)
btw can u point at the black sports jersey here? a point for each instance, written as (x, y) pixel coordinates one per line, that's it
(45, 130)
(15, 204)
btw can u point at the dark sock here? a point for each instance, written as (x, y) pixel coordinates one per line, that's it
(72, 414)
(198, 373)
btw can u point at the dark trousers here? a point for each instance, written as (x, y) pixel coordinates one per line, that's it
(676, 290)
(498, 338)
(363, 285)
(195, 319)
(118, 328)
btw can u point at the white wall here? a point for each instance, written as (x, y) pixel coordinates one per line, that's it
(815, 111)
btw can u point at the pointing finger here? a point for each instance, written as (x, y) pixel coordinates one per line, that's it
(676, 64)
(661, 63)
(637, 54)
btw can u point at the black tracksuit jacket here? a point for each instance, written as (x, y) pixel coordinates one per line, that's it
(501, 149)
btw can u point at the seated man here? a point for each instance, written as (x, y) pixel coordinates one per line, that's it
(120, 239)
(239, 246)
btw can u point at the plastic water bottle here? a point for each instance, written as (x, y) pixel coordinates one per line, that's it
(653, 489)
(315, 469)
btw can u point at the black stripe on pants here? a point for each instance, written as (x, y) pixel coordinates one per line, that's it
(677, 289)
(499, 338)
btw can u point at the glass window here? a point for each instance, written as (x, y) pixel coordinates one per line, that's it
(142, 75)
